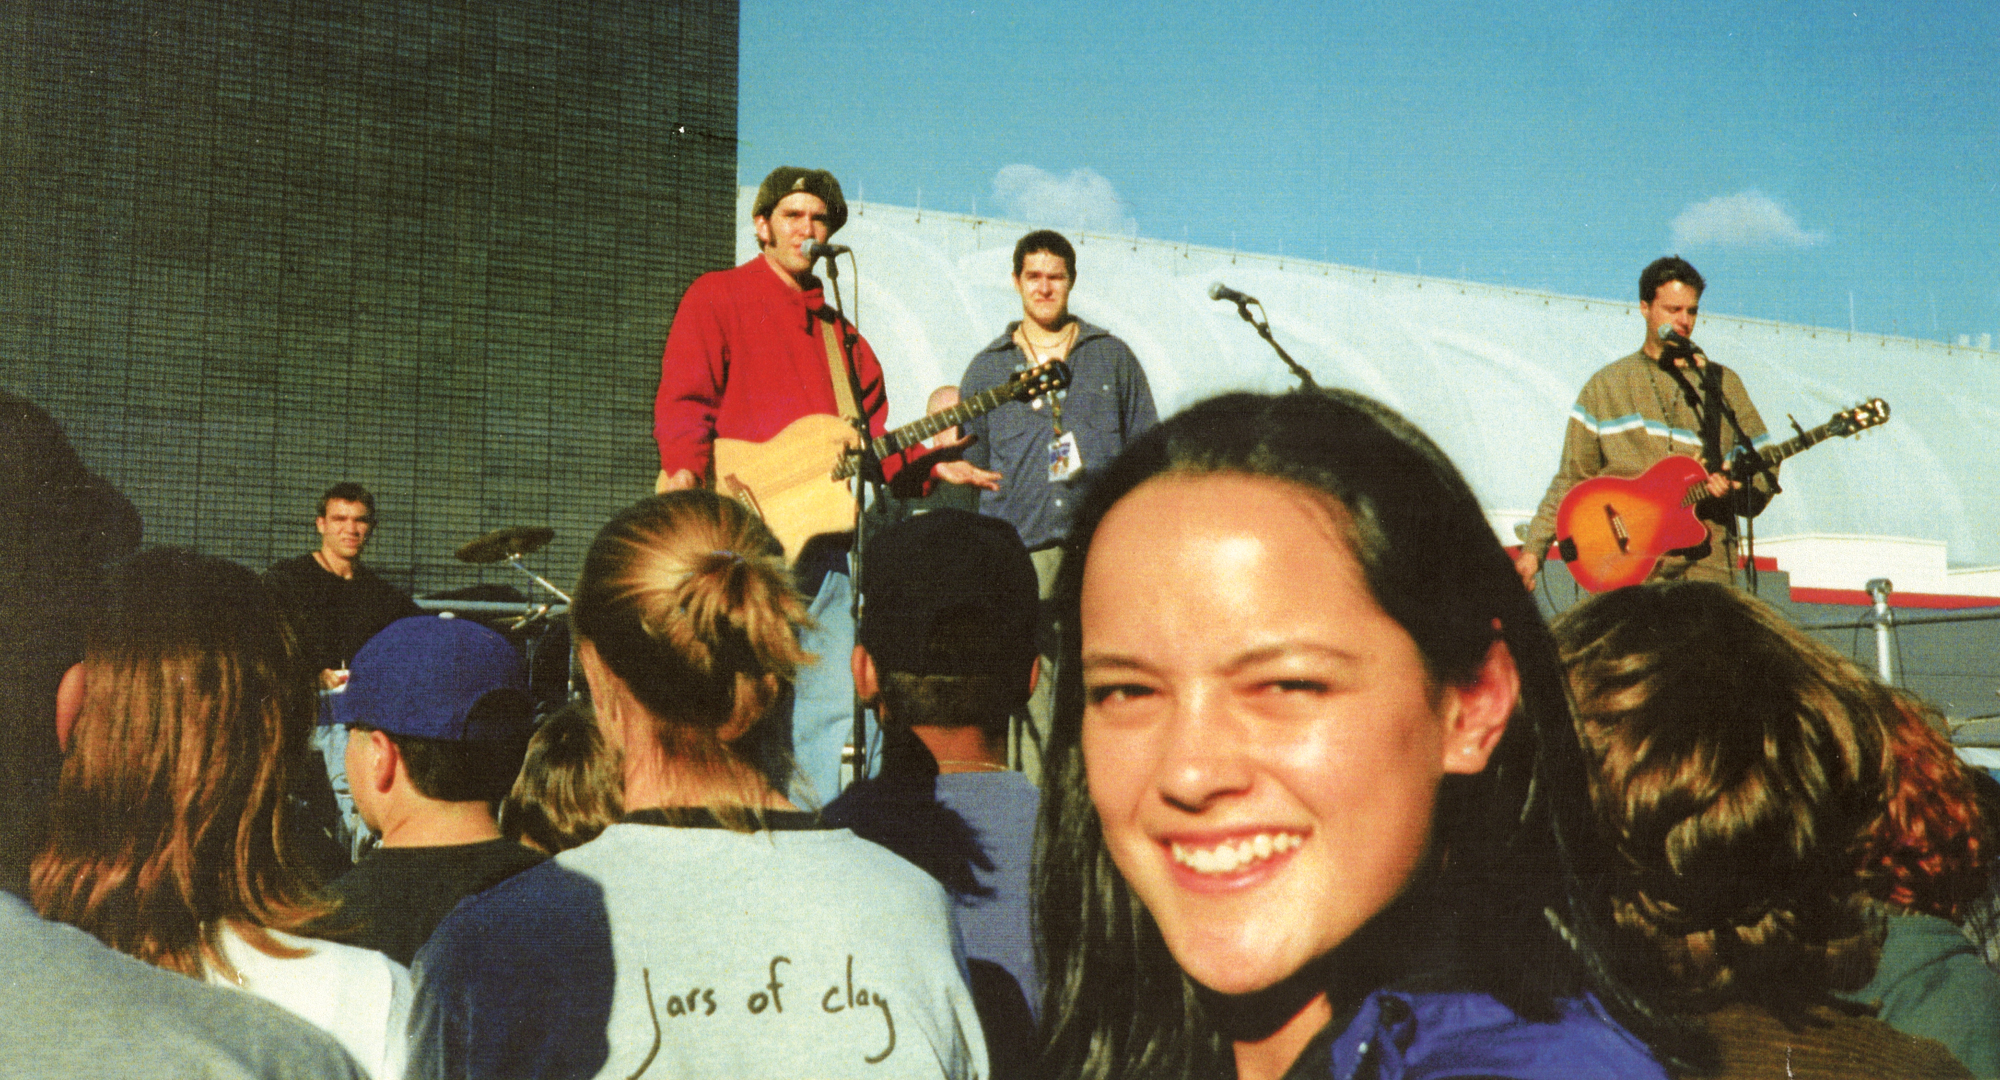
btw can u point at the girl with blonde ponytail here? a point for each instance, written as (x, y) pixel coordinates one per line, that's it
(716, 930)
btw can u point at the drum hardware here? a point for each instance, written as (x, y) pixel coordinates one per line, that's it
(510, 545)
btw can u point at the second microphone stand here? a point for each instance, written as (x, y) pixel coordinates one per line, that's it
(1263, 326)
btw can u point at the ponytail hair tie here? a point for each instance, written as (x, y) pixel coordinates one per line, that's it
(727, 554)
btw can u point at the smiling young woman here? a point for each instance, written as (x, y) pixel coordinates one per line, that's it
(1315, 803)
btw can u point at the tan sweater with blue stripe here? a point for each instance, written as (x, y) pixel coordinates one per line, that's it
(1629, 416)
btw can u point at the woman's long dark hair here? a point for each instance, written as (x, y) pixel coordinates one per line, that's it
(1504, 907)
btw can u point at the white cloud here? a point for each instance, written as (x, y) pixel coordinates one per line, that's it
(1746, 219)
(1082, 200)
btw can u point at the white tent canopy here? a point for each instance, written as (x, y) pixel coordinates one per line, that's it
(1490, 372)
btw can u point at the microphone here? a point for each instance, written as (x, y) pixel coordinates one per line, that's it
(1219, 291)
(814, 251)
(1675, 340)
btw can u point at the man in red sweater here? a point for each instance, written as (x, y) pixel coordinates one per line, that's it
(746, 355)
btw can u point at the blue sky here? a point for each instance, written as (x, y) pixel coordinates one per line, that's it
(1797, 153)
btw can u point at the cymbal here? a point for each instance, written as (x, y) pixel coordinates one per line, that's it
(510, 542)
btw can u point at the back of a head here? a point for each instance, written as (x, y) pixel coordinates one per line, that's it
(168, 815)
(1514, 832)
(1932, 849)
(453, 695)
(569, 789)
(1739, 764)
(950, 619)
(686, 598)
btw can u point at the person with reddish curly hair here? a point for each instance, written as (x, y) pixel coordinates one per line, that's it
(1927, 863)
(1933, 846)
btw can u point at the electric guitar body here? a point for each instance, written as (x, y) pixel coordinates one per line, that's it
(1620, 527)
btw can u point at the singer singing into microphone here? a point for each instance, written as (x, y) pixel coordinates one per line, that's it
(1667, 398)
(750, 351)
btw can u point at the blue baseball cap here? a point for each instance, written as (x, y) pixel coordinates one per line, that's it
(421, 677)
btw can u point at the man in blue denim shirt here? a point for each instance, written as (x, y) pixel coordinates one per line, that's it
(1047, 450)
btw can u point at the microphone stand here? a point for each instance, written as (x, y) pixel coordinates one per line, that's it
(868, 467)
(1712, 397)
(1263, 327)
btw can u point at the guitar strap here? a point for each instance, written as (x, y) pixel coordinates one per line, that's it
(843, 384)
(1698, 403)
(1711, 416)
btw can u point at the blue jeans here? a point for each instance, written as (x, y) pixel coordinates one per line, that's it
(330, 740)
(822, 718)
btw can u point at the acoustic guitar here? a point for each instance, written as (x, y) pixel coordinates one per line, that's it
(1612, 530)
(800, 481)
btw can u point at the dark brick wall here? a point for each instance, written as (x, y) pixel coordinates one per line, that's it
(253, 248)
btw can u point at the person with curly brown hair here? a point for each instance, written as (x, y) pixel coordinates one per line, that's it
(1739, 768)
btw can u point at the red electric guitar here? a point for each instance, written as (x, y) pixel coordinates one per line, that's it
(1612, 531)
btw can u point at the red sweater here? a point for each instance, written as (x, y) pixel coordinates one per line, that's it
(744, 358)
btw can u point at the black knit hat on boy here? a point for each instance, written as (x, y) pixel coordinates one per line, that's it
(949, 592)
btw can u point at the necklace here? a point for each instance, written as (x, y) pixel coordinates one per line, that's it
(1038, 340)
(973, 766)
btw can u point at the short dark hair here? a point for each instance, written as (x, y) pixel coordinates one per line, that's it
(1047, 240)
(347, 491)
(1664, 269)
(982, 701)
(464, 770)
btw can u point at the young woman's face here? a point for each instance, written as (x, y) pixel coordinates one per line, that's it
(1262, 742)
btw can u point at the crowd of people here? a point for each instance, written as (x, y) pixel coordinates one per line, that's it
(1314, 790)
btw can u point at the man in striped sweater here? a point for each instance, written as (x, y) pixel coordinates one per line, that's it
(1665, 399)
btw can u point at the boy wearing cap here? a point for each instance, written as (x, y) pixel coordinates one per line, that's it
(946, 655)
(438, 718)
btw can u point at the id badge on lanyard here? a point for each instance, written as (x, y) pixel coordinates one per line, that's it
(1065, 460)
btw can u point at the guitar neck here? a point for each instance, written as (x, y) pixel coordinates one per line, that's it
(917, 431)
(1770, 456)
(910, 434)
(1780, 451)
